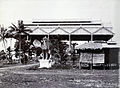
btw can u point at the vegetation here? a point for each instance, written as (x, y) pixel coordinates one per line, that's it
(3, 33)
(2, 55)
(9, 55)
(23, 46)
(59, 51)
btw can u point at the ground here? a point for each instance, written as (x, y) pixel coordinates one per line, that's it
(24, 77)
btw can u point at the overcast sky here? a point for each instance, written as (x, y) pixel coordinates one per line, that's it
(28, 10)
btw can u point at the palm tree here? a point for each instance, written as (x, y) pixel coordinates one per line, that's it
(19, 30)
(3, 32)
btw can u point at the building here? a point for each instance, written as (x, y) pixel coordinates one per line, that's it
(99, 55)
(97, 34)
(71, 30)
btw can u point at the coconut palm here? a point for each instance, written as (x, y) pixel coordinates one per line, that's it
(3, 32)
(19, 30)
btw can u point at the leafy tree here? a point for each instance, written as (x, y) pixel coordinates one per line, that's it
(9, 54)
(58, 50)
(25, 48)
(2, 55)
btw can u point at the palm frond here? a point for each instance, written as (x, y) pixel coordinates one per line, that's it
(16, 28)
(12, 29)
(20, 24)
(2, 30)
(5, 30)
(0, 35)
(25, 33)
(5, 40)
(0, 39)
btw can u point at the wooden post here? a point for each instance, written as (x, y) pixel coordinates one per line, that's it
(48, 40)
(69, 52)
(79, 62)
(91, 37)
(91, 62)
(69, 41)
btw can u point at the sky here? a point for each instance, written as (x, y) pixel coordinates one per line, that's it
(108, 11)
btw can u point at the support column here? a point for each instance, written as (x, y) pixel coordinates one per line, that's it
(69, 41)
(91, 37)
(48, 40)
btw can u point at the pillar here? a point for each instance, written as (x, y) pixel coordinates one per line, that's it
(91, 37)
(69, 41)
(48, 40)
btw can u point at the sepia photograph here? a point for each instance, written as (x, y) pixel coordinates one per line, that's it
(59, 43)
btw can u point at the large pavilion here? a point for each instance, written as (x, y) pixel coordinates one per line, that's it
(84, 30)
(71, 30)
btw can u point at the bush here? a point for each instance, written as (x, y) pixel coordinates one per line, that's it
(33, 67)
(61, 66)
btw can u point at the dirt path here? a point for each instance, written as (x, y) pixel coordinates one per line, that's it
(19, 66)
(15, 69)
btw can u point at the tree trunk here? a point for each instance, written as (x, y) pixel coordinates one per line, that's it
(11, 42)
(20, 47)
(4, 45)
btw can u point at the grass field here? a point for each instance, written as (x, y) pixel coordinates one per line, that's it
(23, 77)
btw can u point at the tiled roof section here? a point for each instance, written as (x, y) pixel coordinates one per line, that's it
(90, 45)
